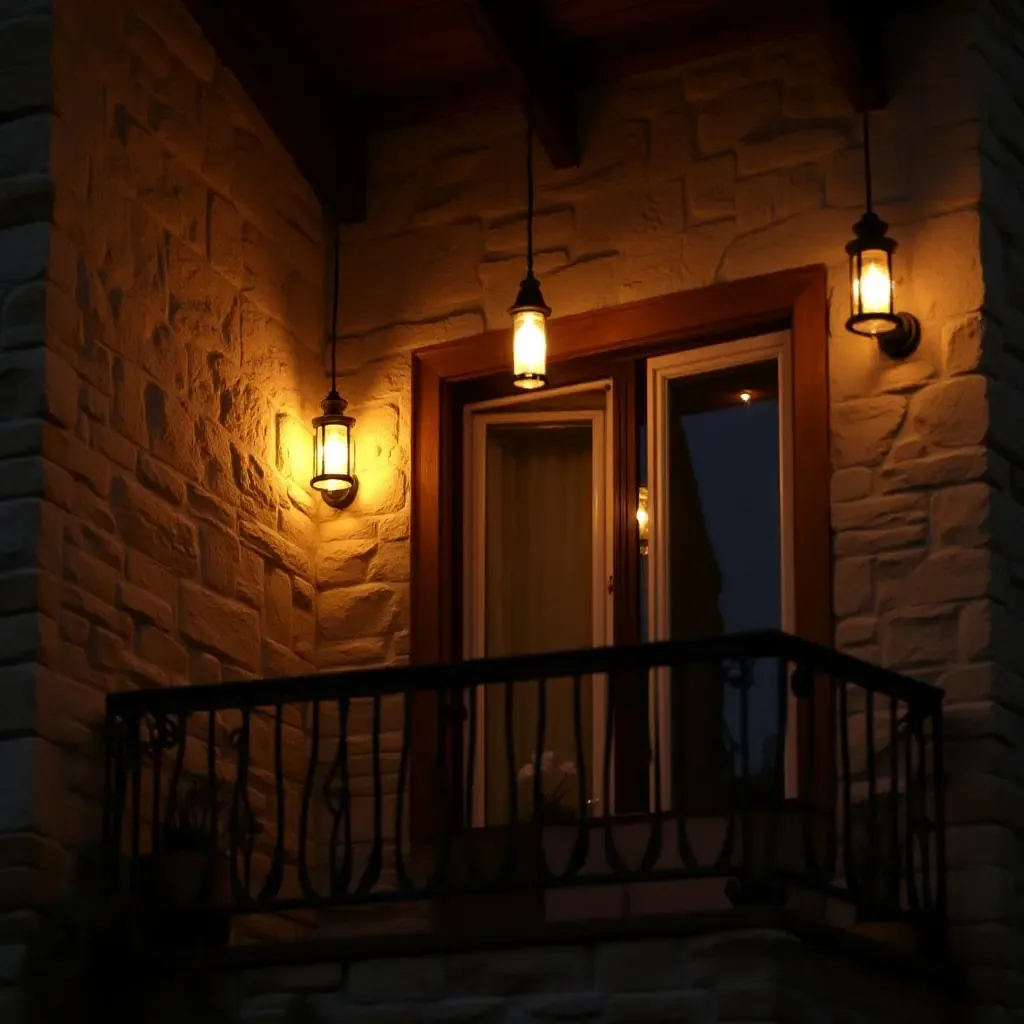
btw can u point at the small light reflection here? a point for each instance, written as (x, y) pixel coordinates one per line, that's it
(745, 397)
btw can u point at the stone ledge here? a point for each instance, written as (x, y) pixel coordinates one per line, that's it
(905, 964)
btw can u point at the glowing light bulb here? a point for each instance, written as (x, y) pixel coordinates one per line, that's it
(745, 397)
(872, 291)
(529, 348)
(336, 455)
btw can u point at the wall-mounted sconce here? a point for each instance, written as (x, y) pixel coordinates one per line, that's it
(529, 312)
(872, 294)
(333, 451)
(643, 520)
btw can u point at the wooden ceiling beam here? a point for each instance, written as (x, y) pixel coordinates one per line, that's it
(854, 32)
(540, 68)
(325, 135)
(745, 25)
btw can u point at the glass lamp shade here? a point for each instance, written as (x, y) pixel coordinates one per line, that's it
(334, 476)
(529, 335)
(872, 297)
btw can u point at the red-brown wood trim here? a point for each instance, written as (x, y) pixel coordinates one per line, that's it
(812, 530)
(797, 298)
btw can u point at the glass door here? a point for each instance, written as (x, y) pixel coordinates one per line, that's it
(718, 463)
(537, 568)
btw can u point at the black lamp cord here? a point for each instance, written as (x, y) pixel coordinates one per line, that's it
(529, 190)
(867, 161)
(334, 311)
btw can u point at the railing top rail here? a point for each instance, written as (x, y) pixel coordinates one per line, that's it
(589, 661)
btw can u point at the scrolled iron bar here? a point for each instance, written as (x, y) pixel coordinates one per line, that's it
(305, 809)
(143, 727)
(374, 864)
(339, 809)
(404, 881)
(581, 845)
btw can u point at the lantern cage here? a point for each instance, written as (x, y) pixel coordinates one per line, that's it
(872, 294)
(333, 454)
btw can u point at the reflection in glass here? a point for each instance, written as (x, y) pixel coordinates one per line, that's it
(723, 538)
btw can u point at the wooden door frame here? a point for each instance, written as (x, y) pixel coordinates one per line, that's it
(795, 299)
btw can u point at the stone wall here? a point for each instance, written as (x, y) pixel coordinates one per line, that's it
(987, 699)
(764, 974)
(715, 171)
(32, 398)
(172, 534)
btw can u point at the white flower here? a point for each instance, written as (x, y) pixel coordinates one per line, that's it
(568, 768)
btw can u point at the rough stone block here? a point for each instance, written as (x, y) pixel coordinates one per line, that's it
(25, 145)
(790, 145)
(374, 981)
(863, 430)
(277, 606)
(724, 121)
(156, 647)
(220, 625)
(25, 66)
(881, 513)
(950, 574)
(143, 604)
(853, 586)
(155, 529)
(355, 612)
(952, 413)
(913, 638)
(519, 971)
(943, 469)
(219, 554)
(961, 516)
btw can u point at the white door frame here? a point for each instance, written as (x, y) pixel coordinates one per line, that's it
(477, 418)
(660, 371)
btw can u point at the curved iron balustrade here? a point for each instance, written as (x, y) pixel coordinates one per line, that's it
(307, 782)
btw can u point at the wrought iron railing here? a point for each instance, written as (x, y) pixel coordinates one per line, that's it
(773, 769)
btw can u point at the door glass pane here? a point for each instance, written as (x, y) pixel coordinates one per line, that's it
(538, 549)
(725, 568)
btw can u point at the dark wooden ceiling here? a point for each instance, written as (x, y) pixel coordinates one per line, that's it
(326, 73)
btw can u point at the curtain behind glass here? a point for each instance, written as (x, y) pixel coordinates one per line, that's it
(538, 597)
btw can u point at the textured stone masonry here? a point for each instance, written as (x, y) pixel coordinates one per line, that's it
(769, 975)
(161, 319)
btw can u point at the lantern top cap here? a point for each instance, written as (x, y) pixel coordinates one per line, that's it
(333, 404)
(530, 297)
(870, 233)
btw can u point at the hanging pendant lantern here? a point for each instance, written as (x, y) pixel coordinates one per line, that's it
(332, 453)
(333, 449)
(529, 312)
(872, 293)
